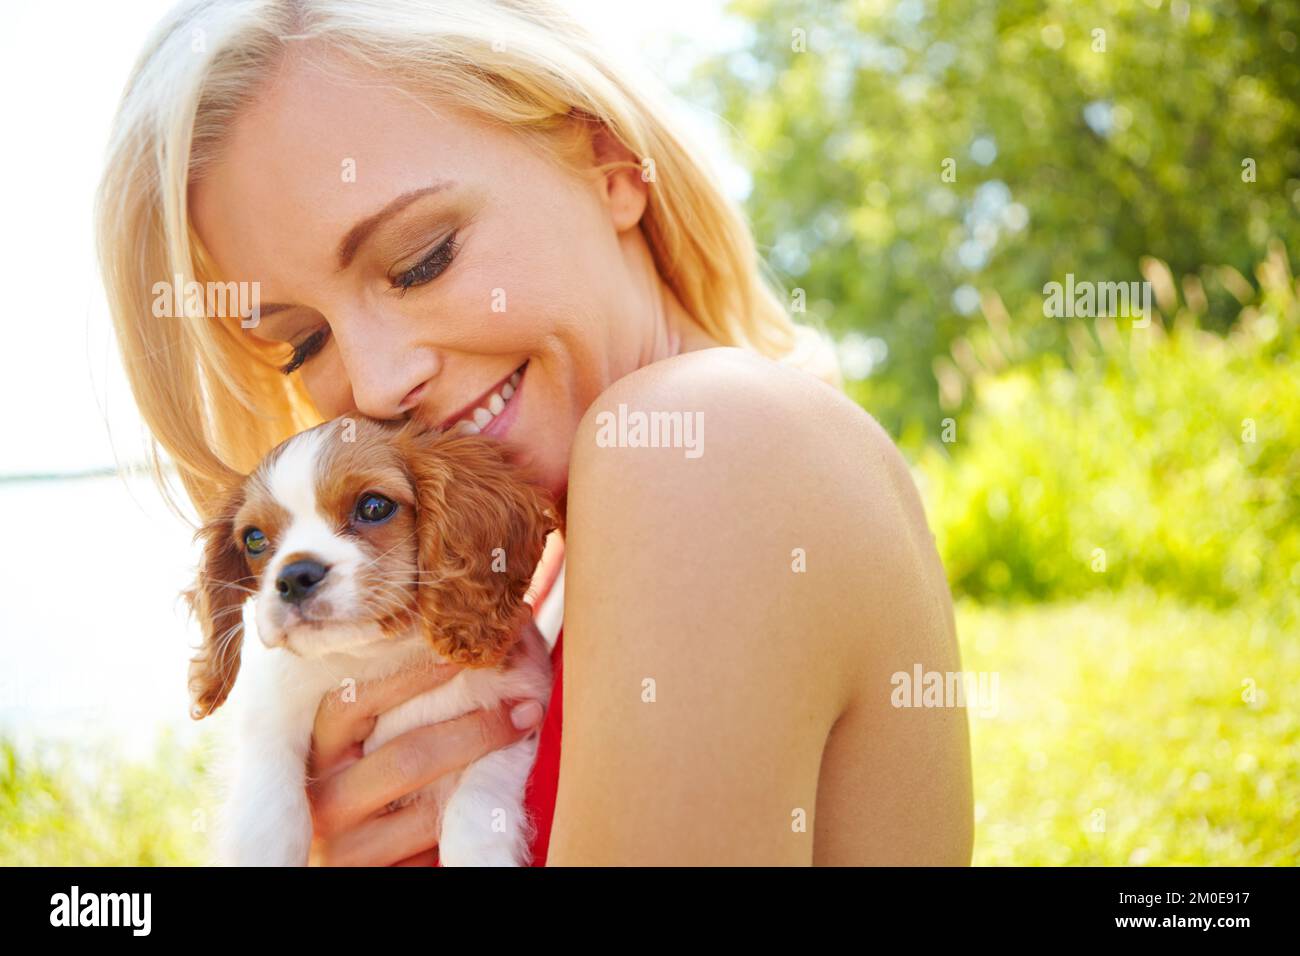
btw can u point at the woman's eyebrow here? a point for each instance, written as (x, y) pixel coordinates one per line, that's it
(362, 230)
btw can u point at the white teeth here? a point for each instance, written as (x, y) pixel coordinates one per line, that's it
(480, 418)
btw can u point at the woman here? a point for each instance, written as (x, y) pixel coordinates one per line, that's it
(433, 196)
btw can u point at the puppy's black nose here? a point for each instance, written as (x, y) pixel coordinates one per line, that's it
(297, 580)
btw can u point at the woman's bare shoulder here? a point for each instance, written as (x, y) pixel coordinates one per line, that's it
(724, 446)
(747, 393)
(735, 533)
(768, 434)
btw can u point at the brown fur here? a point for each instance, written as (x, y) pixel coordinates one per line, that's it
(217, 598)
(459, 500)
(470, 503)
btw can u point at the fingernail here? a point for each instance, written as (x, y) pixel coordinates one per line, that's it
(526, 715)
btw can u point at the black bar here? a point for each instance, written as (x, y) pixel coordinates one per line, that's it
(334, 905)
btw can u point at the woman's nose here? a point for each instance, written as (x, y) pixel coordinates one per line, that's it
(377, 396)
(386, 378)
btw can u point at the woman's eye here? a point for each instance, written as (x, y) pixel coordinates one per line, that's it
(373, 509)
(255, 541)
(306, 349)
(429, 268)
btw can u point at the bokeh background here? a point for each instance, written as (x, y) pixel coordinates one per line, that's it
(1116, 505)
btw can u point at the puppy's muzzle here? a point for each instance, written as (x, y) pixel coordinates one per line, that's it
(296, 582)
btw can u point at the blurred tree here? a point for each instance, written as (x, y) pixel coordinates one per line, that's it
(908, 156)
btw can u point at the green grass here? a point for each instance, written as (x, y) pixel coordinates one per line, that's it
(83, 806)
(1124, 704)
(1134, 707)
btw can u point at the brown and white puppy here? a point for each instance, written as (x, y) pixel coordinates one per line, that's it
(370, 547)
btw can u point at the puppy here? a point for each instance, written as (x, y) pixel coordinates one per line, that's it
(369, 548)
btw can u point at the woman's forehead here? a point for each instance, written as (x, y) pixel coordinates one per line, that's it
(315, 154)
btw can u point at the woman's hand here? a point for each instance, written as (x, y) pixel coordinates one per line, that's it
(350, 793)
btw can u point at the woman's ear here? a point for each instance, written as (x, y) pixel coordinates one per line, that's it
(480, 529)
(625, 187)
(217, 598)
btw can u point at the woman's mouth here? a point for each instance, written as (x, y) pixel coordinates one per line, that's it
(489, 409)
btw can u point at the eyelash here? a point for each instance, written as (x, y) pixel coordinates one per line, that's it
(432, 266)
(429, 269)
(305, 350)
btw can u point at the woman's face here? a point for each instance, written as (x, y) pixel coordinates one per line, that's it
(416, 259)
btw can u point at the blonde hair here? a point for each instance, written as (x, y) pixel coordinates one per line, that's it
(522, 63)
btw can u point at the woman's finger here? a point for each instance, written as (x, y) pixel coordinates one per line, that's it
(344, 720)
(412, 760)
(405, 837)
(427, 858)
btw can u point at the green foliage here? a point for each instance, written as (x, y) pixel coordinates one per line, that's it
(84, 806)
(1068, 158)
(1141, 448)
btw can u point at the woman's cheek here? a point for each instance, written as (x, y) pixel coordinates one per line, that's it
(326, 381)
(519, 293)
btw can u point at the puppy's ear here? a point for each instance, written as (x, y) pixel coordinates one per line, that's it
(217, 599)
(481, 529)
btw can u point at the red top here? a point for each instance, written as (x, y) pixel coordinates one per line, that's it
(539, 797)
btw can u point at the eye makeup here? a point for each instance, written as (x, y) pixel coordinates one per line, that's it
(428, 268)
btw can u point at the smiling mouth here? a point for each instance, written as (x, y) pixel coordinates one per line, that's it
(480, 413)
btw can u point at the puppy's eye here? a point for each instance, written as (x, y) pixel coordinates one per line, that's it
(373, 509)
(255, 541)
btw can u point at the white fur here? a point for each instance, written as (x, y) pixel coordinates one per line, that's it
(266, 819)
(292, 482)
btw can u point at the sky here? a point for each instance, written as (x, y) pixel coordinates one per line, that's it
(68, 408)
